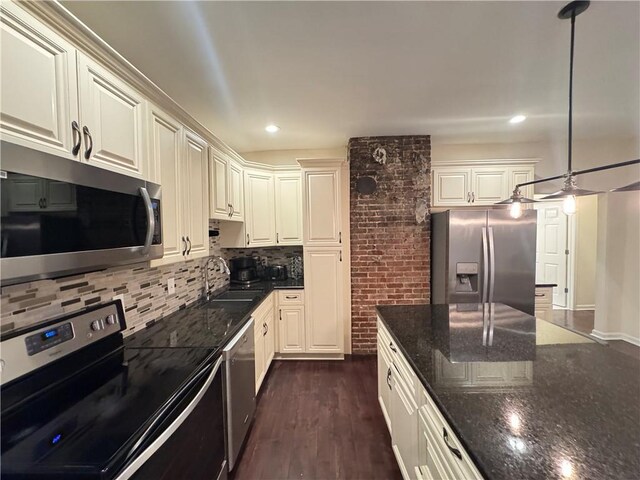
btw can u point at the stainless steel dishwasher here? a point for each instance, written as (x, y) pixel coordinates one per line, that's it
(239, 383)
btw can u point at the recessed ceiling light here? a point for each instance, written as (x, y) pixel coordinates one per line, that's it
(517, 119)
(272, 128)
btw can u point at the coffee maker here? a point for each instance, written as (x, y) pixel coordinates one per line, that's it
(244, 271)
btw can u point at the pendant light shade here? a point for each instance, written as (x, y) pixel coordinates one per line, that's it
(628, 188)
(515, 201)
(570, 189)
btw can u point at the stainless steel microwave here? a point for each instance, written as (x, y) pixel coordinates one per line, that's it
(61, 216)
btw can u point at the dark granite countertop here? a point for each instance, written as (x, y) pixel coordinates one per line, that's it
(203, 323)
(559, 405)
(544, 285)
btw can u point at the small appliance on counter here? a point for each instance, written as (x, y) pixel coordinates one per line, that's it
(244, 271)
(276, 272)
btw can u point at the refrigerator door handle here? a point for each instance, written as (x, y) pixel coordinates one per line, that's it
(492, 269)
(485, 266)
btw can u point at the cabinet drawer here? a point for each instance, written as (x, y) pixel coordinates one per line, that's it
(435, 465)
(437, 430)
(544, 296)
(291, 297)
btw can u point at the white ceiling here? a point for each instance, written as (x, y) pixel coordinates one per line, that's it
(327, 71)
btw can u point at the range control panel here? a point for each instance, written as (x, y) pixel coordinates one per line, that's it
(42, 344)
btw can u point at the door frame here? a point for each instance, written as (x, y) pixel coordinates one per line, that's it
(570, 258)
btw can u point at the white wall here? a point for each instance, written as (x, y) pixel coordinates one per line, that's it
(618, 267)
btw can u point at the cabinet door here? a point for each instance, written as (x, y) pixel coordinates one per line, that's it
(451, 186)
(167, 162)
(489, 185)
(196, 193)
(114, 114)
(259, 353)
(520, 175)
(269, 340)
(236, 191)
(38, 99)
(260, 220)
(219, 203)
(322, 207)
(288, 188)
(291, 329)
(404, 418)
(324, 304)
(27, 194)
(384, 383)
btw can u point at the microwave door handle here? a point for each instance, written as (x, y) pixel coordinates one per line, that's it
(485, 265)
(151, 220)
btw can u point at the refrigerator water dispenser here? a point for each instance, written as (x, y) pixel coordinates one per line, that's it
(466, 277)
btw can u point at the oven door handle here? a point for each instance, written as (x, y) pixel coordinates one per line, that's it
(151, 220)
(137, 460)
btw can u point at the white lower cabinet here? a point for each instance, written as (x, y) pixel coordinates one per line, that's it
(423, 442)
(264, 336)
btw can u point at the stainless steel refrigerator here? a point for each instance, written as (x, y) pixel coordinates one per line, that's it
(484, 256)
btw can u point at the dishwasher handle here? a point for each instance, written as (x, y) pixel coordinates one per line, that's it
(237, 341)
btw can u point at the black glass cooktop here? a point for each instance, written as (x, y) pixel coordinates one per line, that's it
(84, 427)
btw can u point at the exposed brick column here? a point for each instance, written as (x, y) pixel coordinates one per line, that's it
(390, 229)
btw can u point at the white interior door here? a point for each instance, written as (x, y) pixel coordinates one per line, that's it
(551, 256)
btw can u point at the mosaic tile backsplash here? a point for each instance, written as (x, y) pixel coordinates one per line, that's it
(144, 290)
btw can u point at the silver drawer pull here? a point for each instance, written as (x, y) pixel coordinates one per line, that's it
(540, 294)
(453, 450)
(291, 297)
(392, 347)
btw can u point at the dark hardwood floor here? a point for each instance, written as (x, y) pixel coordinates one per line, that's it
(319, 420)
(582, 321)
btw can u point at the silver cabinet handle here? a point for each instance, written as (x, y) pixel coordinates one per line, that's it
(277, 237)
(184, 243)
(229, 213)
(151, 220)
(247, 239)
(392, 347)
(87, 135)
(473, 197)
(340, 255)
(41, 203)
(280, 314)
(233, 210)
(291, 297)
(340, 237)
(389, 378)
(453, 450)
(189, 250)
(76, 134)
(540, 294)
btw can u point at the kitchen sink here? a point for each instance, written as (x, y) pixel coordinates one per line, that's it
(237, 296)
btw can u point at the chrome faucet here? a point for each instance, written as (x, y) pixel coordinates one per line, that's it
(222, 267)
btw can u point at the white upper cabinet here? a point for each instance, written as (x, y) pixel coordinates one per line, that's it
(112, 118)
(322, 205)
(165, 147)
(288, 191)
(489, 185)
(219, 204)
(236, 191)
(451, 186)
(195, 195)
(260, 221)
(38, 98)
(226, 195)
(482, 184)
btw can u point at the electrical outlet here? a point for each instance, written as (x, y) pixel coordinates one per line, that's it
(119, 297)
(171, 286)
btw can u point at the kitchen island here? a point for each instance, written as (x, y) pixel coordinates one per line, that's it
(517, 397)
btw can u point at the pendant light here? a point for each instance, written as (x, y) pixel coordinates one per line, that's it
(632, 187)
(515, 201)
(570, 190)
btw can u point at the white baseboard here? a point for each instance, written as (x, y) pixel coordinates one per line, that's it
(616, 336)
(585, 307)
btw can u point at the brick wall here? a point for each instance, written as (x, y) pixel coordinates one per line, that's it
(389, 229)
